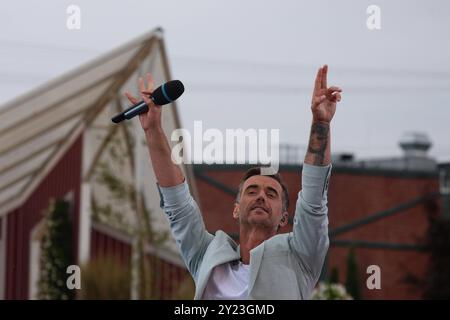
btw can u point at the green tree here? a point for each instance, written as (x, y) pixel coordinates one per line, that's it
(56, 253)
(437, 284)
(334, 277)
(352, 280)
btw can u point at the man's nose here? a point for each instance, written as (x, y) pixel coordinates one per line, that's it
(261, 196)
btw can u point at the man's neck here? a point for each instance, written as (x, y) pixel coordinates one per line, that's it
(249, 239)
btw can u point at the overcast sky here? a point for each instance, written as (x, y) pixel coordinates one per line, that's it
(251, 64)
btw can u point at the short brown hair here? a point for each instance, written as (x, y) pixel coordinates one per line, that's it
(256, 171)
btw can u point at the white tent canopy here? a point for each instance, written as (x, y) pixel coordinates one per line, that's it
(37, 129)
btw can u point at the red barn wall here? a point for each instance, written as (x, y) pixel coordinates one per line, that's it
(352, 195)
(169, 276)
(63, 178)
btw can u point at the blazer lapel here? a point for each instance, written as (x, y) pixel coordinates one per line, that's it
(256, 255)
(214, 257)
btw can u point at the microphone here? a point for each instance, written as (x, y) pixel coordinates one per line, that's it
(164, 94)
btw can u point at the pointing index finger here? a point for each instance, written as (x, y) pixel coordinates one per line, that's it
(324, 76)
(318, 81)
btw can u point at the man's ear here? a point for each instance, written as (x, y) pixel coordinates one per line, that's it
(284, 219)
(236, 211)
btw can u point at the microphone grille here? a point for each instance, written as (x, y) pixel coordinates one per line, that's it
(168, 92)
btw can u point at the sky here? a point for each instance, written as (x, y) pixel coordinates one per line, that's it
(251, 64)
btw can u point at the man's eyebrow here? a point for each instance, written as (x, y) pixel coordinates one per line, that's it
(273, 189)
(254, 186)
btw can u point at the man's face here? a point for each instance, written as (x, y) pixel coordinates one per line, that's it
(261, 202)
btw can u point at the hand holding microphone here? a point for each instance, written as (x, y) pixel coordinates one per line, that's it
(149, 109)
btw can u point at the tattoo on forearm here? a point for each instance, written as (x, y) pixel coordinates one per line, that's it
(318, 141)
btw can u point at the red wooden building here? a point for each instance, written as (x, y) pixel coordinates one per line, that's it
(378, 207)
(53, 145)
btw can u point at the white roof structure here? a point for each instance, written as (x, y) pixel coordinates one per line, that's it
(37, 128)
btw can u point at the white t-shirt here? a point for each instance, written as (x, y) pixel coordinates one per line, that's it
(228, 281)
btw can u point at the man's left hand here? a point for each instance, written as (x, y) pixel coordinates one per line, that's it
(324, 99)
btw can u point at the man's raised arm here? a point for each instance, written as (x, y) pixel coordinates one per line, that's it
(323, 107)
(167, 173)
(310, 232)
(184, 216)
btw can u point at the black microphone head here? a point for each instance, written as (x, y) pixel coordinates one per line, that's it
(118, 118)
(168, 92)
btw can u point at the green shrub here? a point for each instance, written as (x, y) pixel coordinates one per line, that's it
(105, 278)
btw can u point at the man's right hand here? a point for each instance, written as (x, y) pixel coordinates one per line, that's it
(166, 171)
(152, 118)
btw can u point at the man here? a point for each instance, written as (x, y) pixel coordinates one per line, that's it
(264, 265)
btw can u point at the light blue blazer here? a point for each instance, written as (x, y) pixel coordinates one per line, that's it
(286, 266)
